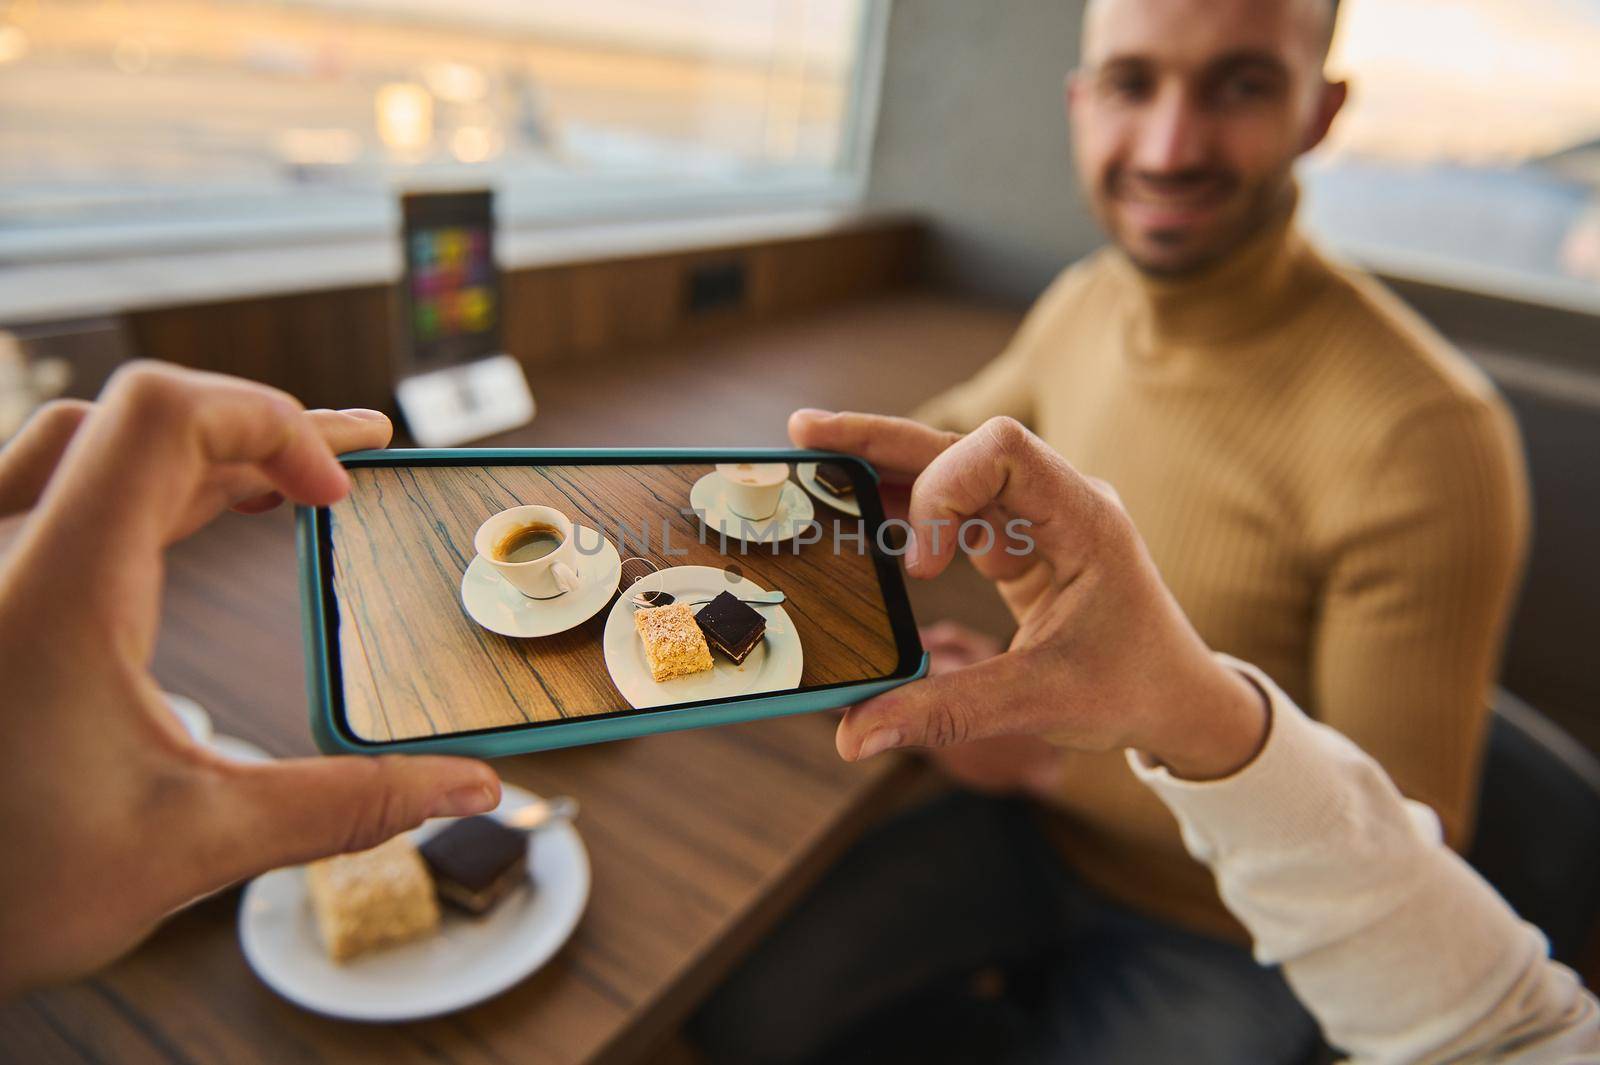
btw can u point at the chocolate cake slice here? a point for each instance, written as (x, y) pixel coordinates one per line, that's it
(732, 627)
(835, 477)
(476, 862)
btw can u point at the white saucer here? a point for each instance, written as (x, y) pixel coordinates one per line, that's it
(499, 607)
(191, 715)
(807, 472)
(774, 665)
(469, 960)
(237, 750)
(794, 510)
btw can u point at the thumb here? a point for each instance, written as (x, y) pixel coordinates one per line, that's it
(284, 813)
(964, 704)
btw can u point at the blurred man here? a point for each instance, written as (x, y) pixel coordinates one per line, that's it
(1402, 952)
(1328, 489)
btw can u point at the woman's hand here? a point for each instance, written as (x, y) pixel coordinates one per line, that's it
(1103, 657)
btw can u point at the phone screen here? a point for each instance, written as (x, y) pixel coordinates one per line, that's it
(451, 289)
(465, 598)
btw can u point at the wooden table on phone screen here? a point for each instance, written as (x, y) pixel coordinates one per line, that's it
(421, 667)
(699, 842)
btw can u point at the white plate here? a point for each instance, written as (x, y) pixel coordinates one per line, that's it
(469, 960)
(191, 715)
(794, 510)
(774, 665)
(807, 472)
(237, 750)
(499, 607)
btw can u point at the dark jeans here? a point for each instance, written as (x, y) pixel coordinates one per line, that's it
(954, 933)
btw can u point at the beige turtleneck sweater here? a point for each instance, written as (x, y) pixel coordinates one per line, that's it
(1329, 489)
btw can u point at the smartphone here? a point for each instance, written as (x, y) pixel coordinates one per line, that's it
(498, 601)
(450, 290)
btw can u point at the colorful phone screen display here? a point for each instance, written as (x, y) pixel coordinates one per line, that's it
(451, 288)
(452, 283)
(473, 598)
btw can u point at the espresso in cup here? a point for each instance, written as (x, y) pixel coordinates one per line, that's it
(532, 548)
(528, 542)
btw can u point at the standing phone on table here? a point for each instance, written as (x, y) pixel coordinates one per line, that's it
(450, 288)
(494, 601)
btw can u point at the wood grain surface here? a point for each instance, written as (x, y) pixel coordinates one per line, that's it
(414, 664)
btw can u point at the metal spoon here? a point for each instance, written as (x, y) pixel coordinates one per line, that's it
(651, 598)
(537, 815)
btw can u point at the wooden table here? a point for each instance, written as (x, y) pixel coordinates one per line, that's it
(699, 840)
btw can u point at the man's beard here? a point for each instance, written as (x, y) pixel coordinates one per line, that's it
(1262, 203)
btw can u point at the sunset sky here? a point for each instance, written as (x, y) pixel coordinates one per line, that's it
(1470, 80)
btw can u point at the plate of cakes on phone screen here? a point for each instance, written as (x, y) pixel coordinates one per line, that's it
(706, 639)
(830, 482)
(432, 921)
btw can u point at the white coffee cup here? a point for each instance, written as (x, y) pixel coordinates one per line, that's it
(753, 489)
(540, 578)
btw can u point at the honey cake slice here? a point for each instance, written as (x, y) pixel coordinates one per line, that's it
(674, 646)
(372, 899)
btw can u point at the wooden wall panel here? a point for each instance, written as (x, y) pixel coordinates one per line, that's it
(813, 273)
(335, 348)
(332, 348)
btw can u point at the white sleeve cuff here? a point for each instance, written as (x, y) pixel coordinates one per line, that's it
(1296, 789)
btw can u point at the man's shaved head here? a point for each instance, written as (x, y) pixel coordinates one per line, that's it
(1188, 115)
(1316, 18)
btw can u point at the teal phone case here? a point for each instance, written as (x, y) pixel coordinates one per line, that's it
(332, 739)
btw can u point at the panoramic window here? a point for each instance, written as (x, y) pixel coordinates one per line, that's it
(1470, 151)
(182, 122)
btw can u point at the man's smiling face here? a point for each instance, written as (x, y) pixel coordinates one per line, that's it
(1188, 115)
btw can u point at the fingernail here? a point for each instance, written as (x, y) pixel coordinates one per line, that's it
(877, 743)
(911, 550)
(815, 412)
(366, 414)
(473, 799)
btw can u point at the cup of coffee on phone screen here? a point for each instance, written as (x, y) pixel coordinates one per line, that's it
(753, 489)
(532, 547)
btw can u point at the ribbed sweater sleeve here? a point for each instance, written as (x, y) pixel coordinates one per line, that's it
(1401, 951)
(1420, 576)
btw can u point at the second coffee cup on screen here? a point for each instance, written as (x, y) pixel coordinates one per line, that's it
(753, 489)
